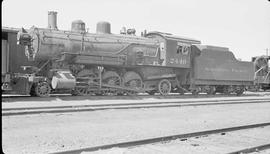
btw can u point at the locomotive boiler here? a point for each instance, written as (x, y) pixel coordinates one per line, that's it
(103, 63)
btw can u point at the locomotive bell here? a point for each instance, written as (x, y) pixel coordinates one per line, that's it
(103, 27)
(78, 26)
(131, 31)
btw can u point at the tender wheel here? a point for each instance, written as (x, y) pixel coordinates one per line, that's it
(164, 87)
(240, 91)
(227, 90)
(41, 89)
(211, 91)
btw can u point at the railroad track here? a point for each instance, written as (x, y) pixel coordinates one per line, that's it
(165, 139)
(252, 149)
(95, 107)
(22, 98)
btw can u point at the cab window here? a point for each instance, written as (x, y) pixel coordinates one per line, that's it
(179, 49)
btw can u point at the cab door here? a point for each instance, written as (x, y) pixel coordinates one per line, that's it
(162, 53)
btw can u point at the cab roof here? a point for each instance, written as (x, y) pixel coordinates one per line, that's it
(169, 36)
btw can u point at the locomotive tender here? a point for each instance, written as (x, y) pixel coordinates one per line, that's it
(103, 63)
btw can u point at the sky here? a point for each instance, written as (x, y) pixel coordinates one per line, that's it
(241, 25)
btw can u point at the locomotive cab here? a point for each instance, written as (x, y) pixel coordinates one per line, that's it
(175, 50)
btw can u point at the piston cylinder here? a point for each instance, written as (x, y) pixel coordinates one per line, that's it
(63, 80)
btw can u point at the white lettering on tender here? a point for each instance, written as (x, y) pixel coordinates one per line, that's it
(225, 70)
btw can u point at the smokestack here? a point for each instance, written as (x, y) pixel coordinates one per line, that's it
(52, 20)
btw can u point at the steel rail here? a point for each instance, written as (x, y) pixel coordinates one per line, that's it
(126, 106)
(162, 139)
(252, 149)
(121, 104)
(5, 98)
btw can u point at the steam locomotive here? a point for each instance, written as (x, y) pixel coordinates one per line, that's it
(49, 60)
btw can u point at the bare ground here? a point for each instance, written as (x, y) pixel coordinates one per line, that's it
(46, 133)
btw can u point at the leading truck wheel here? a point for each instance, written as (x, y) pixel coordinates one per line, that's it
(42, 89)
(164, 87)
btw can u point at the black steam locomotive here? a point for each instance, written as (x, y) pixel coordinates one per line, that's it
(48, 60)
